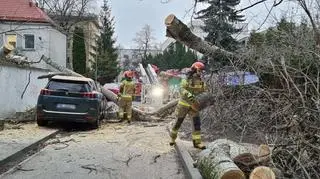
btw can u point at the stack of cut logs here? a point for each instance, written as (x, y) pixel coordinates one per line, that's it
(225, 159)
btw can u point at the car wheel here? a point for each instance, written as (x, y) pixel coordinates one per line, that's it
(41, 122)
(96, 124)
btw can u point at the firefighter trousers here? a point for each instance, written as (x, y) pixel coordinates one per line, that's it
(182, 111)
(125, 108)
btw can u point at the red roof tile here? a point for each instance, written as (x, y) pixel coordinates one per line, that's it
(22, 10)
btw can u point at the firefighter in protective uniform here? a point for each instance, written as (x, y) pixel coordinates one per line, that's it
(189, 89)
(127, 91)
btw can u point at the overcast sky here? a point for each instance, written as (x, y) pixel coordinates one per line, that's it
(132, 15)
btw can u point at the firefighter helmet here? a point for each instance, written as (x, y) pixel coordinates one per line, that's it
(198, 66)
(128, 74)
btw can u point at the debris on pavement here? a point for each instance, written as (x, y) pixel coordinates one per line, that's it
(90, 167)
(155, 158)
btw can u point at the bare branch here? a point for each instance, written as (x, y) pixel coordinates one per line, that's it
(252, 5)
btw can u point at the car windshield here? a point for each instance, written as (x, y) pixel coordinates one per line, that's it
(70, 86)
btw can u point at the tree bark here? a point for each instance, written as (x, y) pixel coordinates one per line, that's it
(216, 164)
(163, 111)
(59, 67)
(180, 32)
(245, 156)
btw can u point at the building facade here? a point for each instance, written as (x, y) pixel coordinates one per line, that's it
(92, 31)
(33, 34)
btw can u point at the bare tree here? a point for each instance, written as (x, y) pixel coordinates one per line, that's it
(145, 40)
(306, 5)
(67, 12)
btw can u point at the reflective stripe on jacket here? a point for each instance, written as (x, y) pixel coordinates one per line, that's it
(194, 86)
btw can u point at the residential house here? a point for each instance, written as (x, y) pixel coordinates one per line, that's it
(92, 30)
(91, 35)
(33, 34)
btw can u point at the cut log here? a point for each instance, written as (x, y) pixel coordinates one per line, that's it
(217, 164)
(237, 149)
(262, 172)
(5, 50)
(245, 156)
(179, 31)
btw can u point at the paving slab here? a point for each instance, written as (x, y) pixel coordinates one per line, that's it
(17, 139)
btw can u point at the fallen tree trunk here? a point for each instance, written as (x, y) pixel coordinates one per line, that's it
(107, 93)
(59, 67)
(163, 111)
(179, 31)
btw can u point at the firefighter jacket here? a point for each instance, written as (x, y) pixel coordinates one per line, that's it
(189, 89)
(127, 89)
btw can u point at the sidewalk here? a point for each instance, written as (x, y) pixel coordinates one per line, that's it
(17, 140)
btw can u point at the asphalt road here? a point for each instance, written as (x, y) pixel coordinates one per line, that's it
(139, 150)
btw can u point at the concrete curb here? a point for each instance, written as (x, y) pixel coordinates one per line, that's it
(187, 161)
(19, 156)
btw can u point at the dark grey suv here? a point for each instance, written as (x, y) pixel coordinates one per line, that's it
(70, 99)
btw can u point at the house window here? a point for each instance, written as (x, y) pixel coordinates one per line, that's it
(28, 41)
(11, 39)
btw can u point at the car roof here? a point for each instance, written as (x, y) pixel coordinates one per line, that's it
(71, 78)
